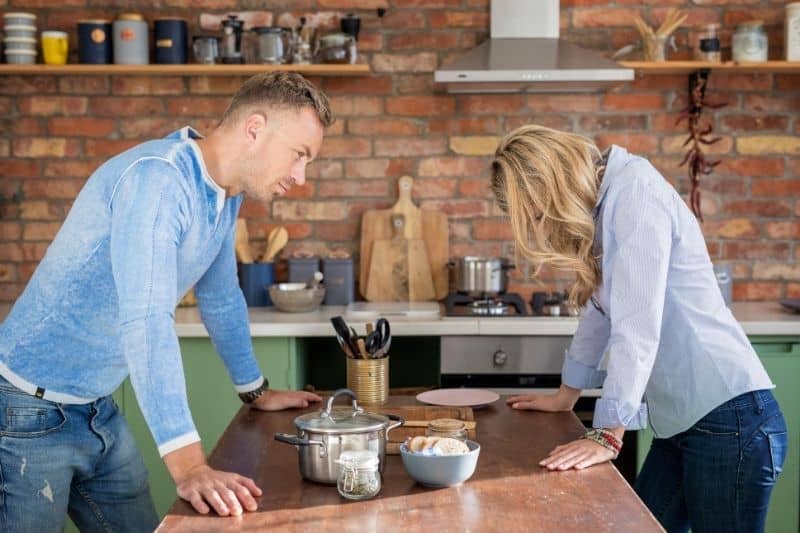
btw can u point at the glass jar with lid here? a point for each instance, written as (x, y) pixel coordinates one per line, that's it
(706, 43)
(749, 42)
(359, 476)
(792, 32)
(447, 427)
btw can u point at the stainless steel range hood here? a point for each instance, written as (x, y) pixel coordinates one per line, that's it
(525, 53)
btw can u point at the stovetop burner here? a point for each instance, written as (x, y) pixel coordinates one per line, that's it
(488, 307)
(504, 304)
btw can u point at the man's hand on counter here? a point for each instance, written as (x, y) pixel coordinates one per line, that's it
(276, 400)
(226, 493)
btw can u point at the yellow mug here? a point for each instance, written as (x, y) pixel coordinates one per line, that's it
(55, 47)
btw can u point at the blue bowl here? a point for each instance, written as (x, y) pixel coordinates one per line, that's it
(441, 471)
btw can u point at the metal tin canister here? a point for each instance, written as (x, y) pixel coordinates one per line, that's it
(171, 40)
(94, 42)
(131, 40)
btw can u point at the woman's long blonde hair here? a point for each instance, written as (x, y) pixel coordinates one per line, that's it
(548, 182)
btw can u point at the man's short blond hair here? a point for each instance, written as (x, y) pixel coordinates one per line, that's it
(278, 90)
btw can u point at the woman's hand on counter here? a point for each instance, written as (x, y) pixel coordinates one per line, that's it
(563, 400)
(578, 454)
(275, 400)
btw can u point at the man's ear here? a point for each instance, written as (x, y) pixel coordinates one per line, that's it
(255, 124)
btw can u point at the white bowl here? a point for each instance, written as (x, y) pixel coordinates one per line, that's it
(13, 44)
(20, 57)
(441, 470)
(20, 31)
(19, 19)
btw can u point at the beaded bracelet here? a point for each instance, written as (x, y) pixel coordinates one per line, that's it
(604, 438)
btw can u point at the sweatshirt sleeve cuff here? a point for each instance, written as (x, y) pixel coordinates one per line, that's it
(609, 414)
(247, 387)
(178, 442)
(579, 376)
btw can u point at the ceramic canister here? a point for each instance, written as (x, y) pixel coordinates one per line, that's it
(171, 38)
(94, 41)
(131, 40)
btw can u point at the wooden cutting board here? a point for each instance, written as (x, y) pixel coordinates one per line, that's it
(417, 418)
(399, 270)
(426, 224)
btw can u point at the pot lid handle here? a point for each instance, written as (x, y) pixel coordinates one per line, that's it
(341, 392)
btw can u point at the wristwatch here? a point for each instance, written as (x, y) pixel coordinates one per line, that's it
(250, 396)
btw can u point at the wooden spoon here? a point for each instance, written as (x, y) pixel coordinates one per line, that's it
(242, 242)
(276, 240)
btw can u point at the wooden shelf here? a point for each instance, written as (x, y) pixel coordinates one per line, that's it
(685, 67)
(182, 70)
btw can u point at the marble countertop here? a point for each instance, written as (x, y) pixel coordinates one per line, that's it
(757, 318)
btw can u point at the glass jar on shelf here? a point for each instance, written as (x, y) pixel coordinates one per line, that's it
(706, 44)
(359, 474)
(749, 42)
(447, 427)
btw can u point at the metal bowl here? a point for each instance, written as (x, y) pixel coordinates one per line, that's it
(296, 297)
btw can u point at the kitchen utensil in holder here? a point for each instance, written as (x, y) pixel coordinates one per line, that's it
(369, 379)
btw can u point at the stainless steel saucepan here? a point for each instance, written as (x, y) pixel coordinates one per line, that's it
(323, 435)
(481, 276)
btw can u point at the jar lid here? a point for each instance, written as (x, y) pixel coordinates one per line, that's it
(94, 21)
(171, 18)
(130, 16)
(267, 29)
(359, 459)
(446, 424)
(750, 24)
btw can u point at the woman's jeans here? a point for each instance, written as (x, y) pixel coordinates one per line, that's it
(718, 475)
(78, 459)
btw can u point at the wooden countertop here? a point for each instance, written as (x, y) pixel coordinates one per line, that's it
(508, 492)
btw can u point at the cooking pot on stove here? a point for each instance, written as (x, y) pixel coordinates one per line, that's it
(481, 276)
(323, 435)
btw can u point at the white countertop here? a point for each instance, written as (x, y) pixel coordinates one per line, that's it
(757, 318)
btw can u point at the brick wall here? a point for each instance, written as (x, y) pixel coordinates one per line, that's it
(55, 130)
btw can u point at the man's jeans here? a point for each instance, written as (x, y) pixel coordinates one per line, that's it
(78, 459)
(718, 475)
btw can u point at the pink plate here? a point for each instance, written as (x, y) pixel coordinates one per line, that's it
(459, 397)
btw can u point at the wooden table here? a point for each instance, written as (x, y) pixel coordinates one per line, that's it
(508, 492)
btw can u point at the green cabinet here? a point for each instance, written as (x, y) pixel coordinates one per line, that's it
(781, 358)
(212, 400)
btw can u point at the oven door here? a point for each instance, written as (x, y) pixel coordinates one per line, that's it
(506, 365)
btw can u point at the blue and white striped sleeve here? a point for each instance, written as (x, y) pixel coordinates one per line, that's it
(642, 231)
(581, 364)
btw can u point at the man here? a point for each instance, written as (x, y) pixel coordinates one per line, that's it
(150, 224)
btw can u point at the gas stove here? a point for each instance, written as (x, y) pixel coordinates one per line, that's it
(507, 304)
(503, 304)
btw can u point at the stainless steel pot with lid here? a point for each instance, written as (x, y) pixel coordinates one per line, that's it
(481, 276)
(323, 435)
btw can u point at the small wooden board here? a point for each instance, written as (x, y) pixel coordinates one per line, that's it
(417, 418)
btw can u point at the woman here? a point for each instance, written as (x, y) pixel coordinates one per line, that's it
(655, 332)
